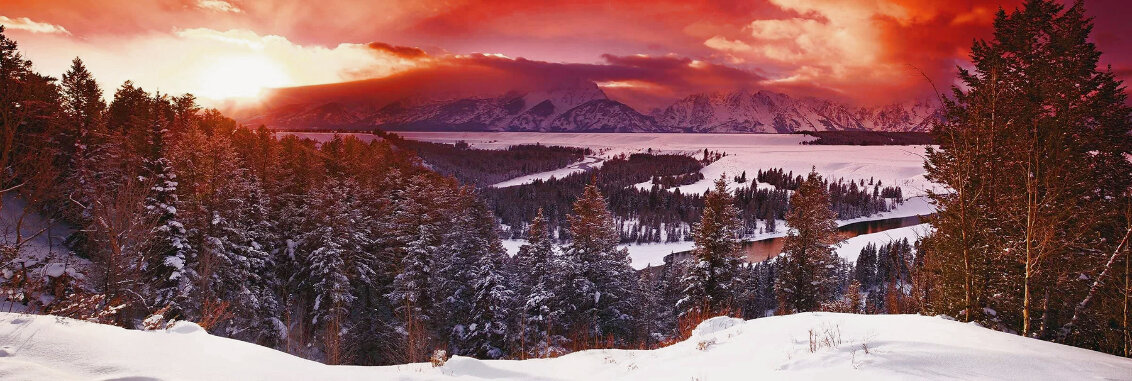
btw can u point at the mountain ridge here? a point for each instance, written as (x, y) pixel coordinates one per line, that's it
(581, 106)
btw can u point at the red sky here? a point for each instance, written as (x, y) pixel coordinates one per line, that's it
(644, 53)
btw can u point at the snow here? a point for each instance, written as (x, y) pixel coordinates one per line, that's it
(850, 249)
(861, 347)
(652, 254)
(512, 245)
(715, 325)
(588, 163)
(41, 240)
(894, 165)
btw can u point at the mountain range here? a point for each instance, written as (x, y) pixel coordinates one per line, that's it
(581, 106)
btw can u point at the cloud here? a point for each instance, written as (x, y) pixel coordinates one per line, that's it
(641, 81)
(189, 60)
(400, 51)
(26, 24)
(868, 50)
(218, 6)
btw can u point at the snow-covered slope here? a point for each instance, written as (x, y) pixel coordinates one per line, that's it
(769, 112)
(581, 106)
(866, 347)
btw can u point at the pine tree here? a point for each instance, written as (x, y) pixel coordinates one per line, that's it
(708, 288)
(600, 283)
(472, 278)
(771, 221)
(84, 138)
(338, 261)
(538, 267)
(866, 266)
(490, 331)
(1009, 248)
(808, 264)
(411, 294)
(171, 275)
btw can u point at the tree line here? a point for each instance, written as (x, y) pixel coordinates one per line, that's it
(658, 214)
(484, 167)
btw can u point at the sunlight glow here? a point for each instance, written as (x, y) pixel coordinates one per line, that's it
(240, 77)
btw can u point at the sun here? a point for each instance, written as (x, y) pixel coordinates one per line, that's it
(240, 77)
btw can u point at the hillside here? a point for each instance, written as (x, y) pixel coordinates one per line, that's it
(569, 106)
(869, 347)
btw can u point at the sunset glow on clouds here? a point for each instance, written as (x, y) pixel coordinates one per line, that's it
(644, 53)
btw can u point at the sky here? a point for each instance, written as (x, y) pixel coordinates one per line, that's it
(643, 53)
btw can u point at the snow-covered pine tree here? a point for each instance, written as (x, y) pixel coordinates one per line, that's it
(670, 290)
(808, 266)
(82, 144)
(648, 307)
(490, 328)
(866, 267)
(83, 109)
(336, 260)
(538, 268)
(601, 283)
(708, 288)
(169, 274)
(1008, 248)
(412, 293)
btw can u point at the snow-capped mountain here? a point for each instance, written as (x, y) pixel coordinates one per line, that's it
(581, 106)
(578, 106)
(769, 112)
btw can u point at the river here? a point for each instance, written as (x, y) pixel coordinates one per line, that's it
(763, 249)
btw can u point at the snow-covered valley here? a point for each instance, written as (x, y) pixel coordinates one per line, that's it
(809, 346)
(894, 165)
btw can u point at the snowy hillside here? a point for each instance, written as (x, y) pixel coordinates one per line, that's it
(867, 347)
(769, 112)
(581, 106)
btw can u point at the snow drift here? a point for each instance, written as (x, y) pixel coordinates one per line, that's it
(802, 346)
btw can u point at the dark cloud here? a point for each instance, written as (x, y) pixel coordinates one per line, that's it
(400, 51)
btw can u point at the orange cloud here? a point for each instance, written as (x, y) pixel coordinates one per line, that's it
(871, 51)
(26, 24)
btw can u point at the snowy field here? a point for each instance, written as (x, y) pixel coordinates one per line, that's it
(894, 165)
(588, 163)
(861, 347)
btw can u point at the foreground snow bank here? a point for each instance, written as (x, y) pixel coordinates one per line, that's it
(871, 347)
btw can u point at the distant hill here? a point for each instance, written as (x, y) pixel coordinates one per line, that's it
(443, 103)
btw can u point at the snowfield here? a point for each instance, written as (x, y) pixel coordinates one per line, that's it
(894, 165)
(847, 347)
(590, 162)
